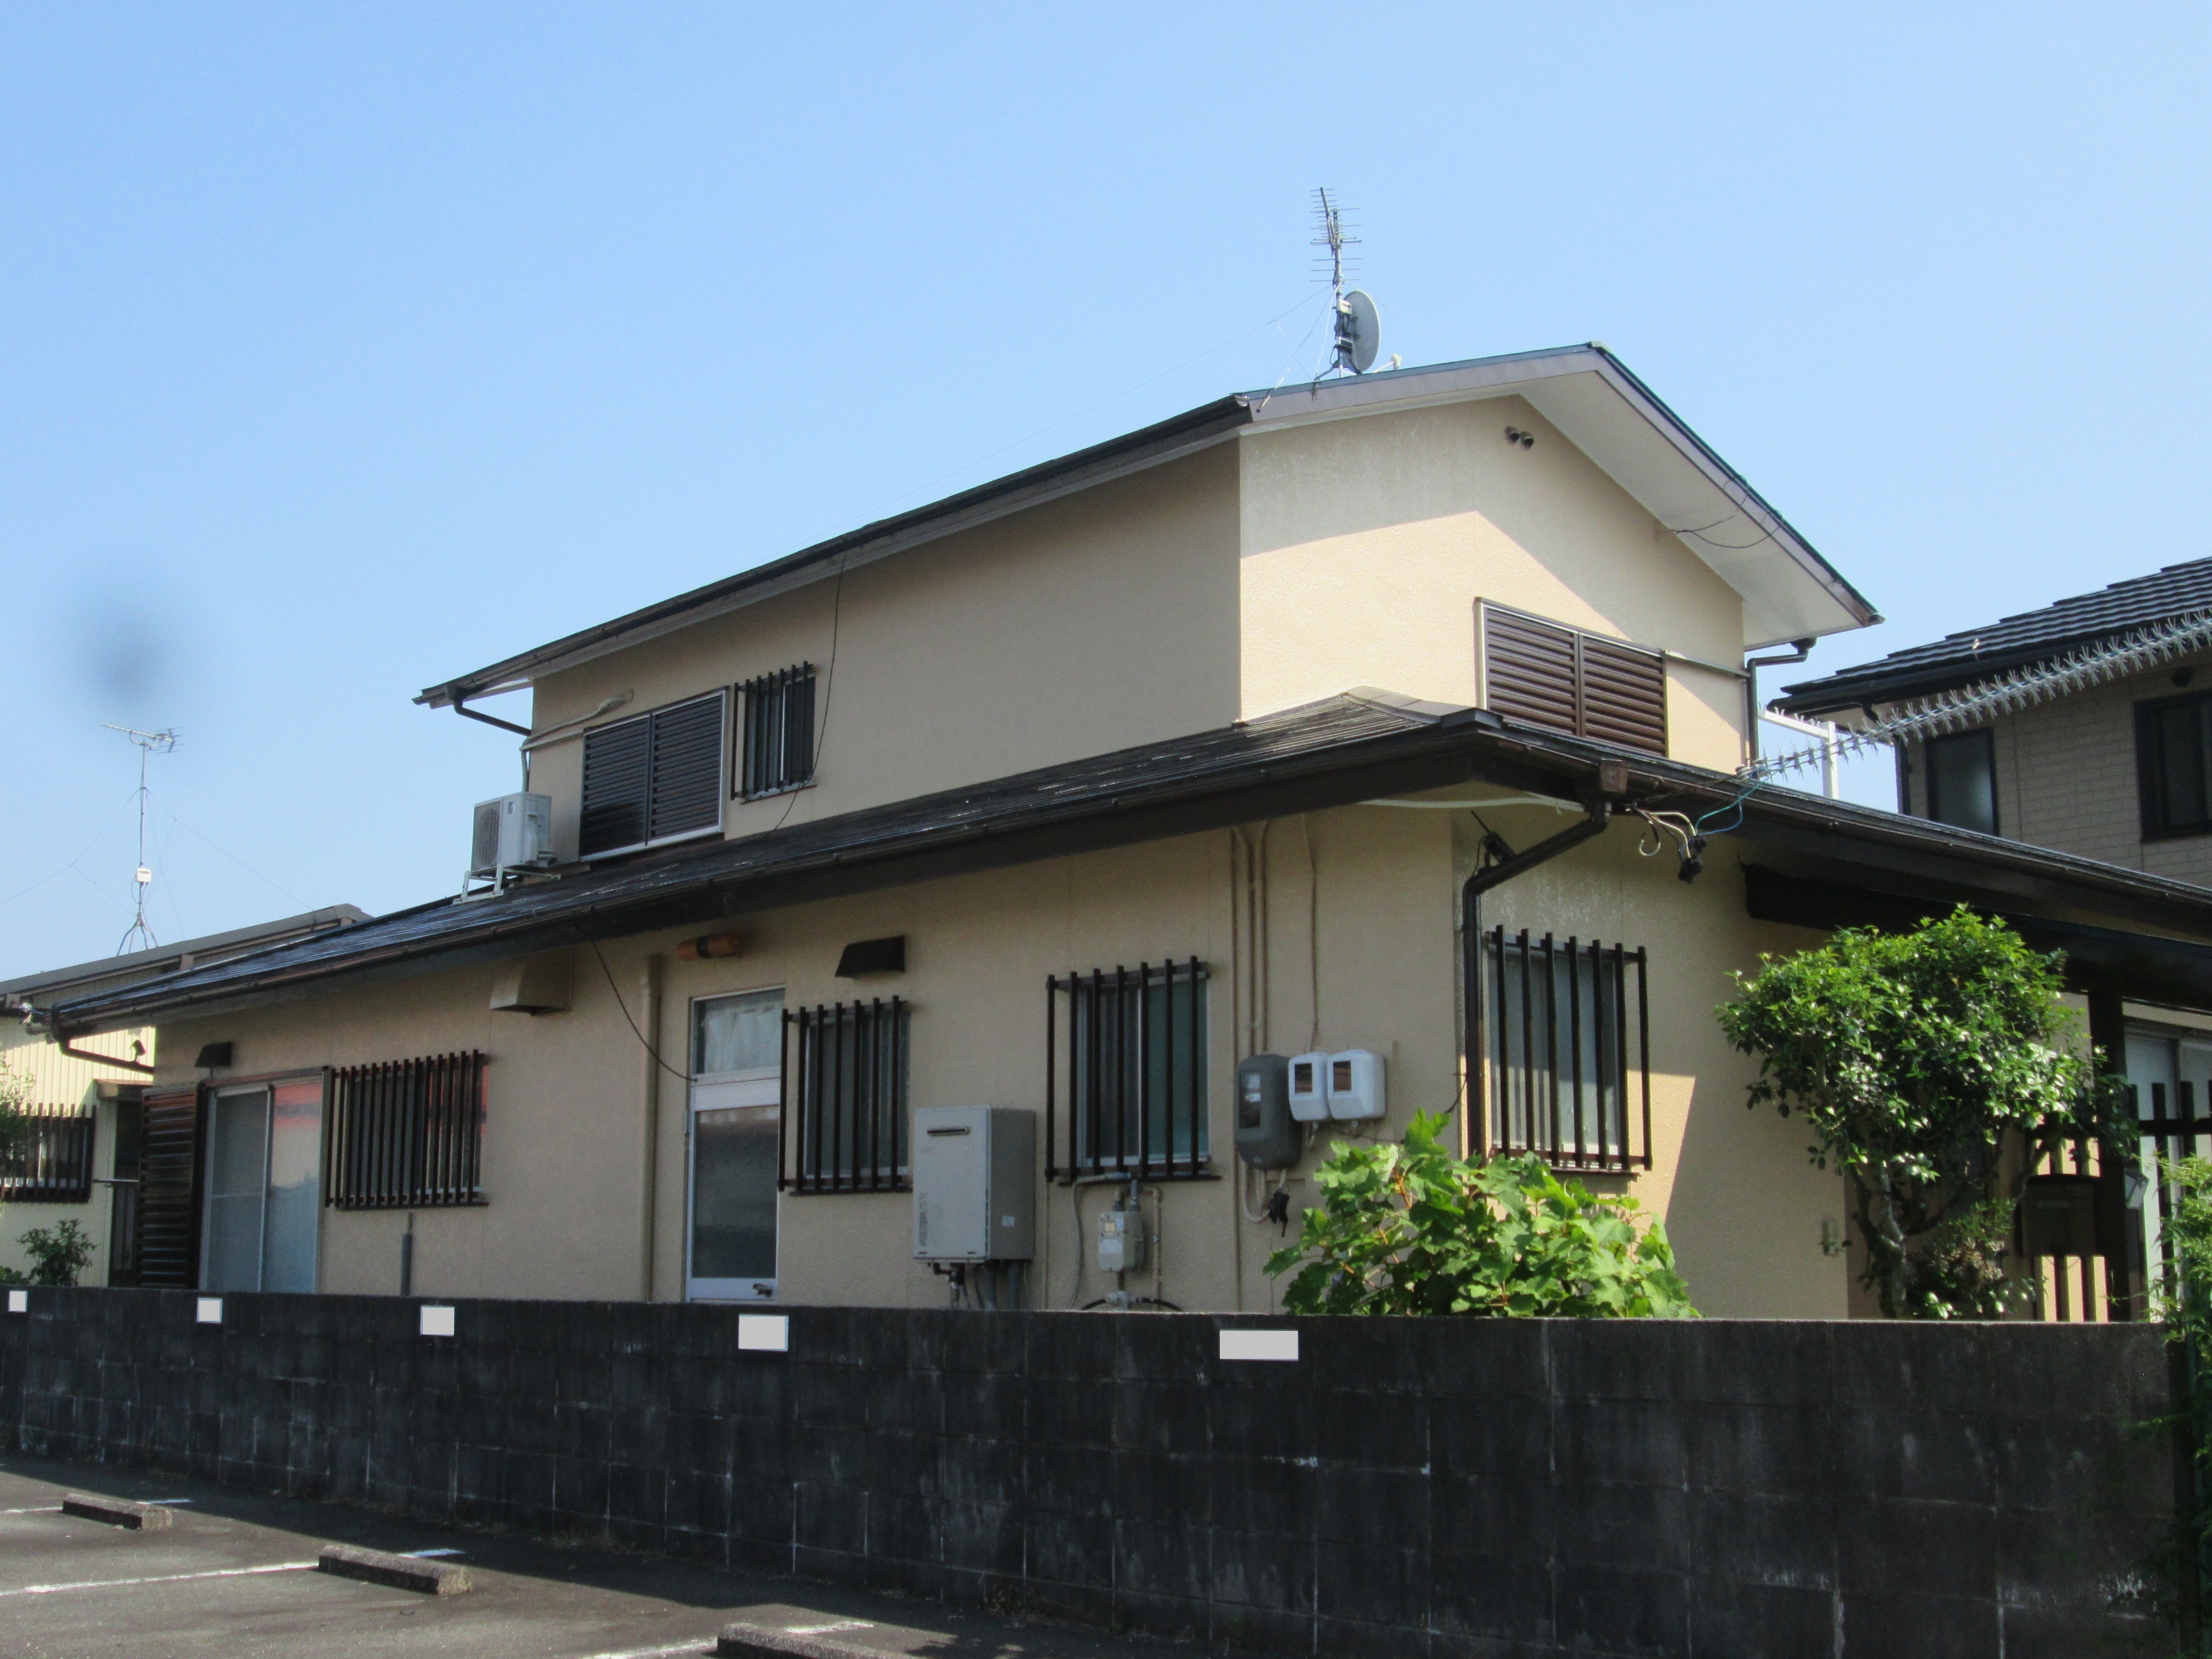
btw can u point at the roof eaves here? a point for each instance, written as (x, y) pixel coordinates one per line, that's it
(1325, 753)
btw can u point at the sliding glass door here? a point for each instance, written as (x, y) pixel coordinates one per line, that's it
(264, 1189)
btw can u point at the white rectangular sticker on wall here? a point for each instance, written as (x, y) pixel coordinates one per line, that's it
(764, 1333)
(211, 1310)
(19, 1302)
(1259, 1344)
(437, 1322)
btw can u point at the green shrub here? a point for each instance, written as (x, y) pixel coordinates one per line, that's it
(58, 1253)
(1919, 1060)
(1411, 1229)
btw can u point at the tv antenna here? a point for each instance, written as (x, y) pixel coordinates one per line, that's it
(141, 935)
(1359, 323)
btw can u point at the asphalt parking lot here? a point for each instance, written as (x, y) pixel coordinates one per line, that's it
(235, 1576)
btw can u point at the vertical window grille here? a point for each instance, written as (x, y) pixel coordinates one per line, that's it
(779, 732)
(52, 1162)
(1568, 1050)
(847, 1126)
(1126, 1051)
(1584, 685)
(406, 1134)
(652, 778)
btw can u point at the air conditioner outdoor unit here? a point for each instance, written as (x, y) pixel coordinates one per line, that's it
(514, 832)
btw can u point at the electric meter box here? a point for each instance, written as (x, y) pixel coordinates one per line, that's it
(1356, 1087)
(1266, 1135)
(974, 1183)
(1308, 1091)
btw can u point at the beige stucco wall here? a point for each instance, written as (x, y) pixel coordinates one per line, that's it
(1744, 1205)
(1084, 625)
(1370, 921)
(1365, 544)
(59, 1079)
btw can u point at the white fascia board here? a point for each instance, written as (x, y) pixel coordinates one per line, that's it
(1788, 593)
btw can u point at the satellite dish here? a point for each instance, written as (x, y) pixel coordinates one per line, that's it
(1358, 332)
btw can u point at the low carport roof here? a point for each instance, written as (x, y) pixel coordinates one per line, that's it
(1358, 746)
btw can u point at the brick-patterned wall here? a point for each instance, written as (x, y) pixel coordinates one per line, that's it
(2066, 778)
(1407, 1487)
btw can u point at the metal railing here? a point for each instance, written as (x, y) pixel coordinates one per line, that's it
(845, 1128)
(1567, 1050)
(53, 1163)
(406, 1134)
(1130, 1049)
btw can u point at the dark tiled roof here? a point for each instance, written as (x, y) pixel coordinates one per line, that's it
(2179, 590)
(1343, 749)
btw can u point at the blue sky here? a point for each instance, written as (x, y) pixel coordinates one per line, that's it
(344, 348)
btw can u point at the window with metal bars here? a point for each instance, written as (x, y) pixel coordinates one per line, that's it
(845, 1122)
(406, 1134)
(1125, 1072)
(52, 1163)
(1566, 1050)
(1547, 674)
(777, 747)
(652, 778)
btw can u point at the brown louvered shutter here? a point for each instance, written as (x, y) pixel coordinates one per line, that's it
(1544, 674)
(1624, 695)
(1529, 670)
(169, 1190)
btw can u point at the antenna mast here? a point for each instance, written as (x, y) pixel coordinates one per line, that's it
(1358, 325)
(141, 935)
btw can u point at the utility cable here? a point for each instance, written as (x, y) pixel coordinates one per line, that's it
(624, 1007)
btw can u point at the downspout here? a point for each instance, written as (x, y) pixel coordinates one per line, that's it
(649, 1019)
(1799, 650)
(1612, 782)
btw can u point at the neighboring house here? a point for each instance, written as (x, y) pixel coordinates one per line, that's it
(1337, 722)
(2096, 752)
(81, 1163)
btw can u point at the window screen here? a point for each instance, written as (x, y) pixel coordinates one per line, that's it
(2174, 766)
(653, 777)
(779, 732)
(1583, 684)
(1962, 781)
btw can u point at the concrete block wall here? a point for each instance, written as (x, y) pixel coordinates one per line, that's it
(1405, 1488)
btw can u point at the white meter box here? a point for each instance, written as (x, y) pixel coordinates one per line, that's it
(974, 1184)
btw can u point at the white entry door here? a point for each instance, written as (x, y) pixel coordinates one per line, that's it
(737, 1107)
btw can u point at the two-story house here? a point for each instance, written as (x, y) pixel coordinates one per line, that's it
(1388, 727)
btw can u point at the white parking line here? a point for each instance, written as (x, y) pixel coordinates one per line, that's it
(159, 1578)
(36, 1509)
(697, 1645)
(824, 1630)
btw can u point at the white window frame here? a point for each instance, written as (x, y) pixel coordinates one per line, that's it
(714, 1091)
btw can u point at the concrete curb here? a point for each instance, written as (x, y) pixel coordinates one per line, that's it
(407, 1573)
(765, 1642)
(117, 1511)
